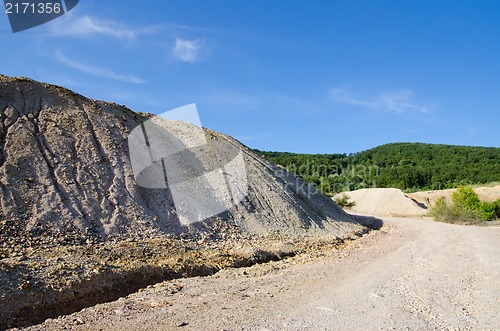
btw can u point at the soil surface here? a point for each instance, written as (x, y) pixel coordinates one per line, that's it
(395, 203)
(489, 194)
(413, 274)
(384, 202)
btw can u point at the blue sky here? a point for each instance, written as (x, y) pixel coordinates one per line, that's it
(300, 76)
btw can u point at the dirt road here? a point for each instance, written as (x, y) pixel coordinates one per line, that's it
(413, 274)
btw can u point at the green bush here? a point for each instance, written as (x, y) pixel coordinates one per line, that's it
(466, 207)
(466, 197)
(343, 201)
(497, 208)
(488, 211)
(442, 212)
(491, 210)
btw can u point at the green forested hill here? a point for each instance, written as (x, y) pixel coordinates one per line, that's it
(408, 166)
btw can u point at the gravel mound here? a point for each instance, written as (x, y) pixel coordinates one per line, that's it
(384, 202)
(66, 178)
(77, 230)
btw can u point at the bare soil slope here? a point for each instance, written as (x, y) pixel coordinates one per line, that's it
(384, 202)
(394, 202)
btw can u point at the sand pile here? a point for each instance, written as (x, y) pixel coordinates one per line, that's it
(384, 202)
(429, 198)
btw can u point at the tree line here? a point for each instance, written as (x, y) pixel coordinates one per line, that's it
(407, 166)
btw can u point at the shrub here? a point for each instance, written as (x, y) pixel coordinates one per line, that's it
(466, 207)
(465, 197)
(343, 201)
(497, 208)
(490, 210)
(442, 212)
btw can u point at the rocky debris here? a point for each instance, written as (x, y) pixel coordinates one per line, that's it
(46, 283)
(76, 229)
(398, 278)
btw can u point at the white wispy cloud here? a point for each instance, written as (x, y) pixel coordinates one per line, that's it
(188, 50)
(400, 102)
(96, 70)
(89, 26)
(390, 101)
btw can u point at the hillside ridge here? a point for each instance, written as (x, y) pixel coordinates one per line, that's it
(407, 166)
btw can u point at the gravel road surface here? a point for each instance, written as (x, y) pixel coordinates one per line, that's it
(413, 274)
